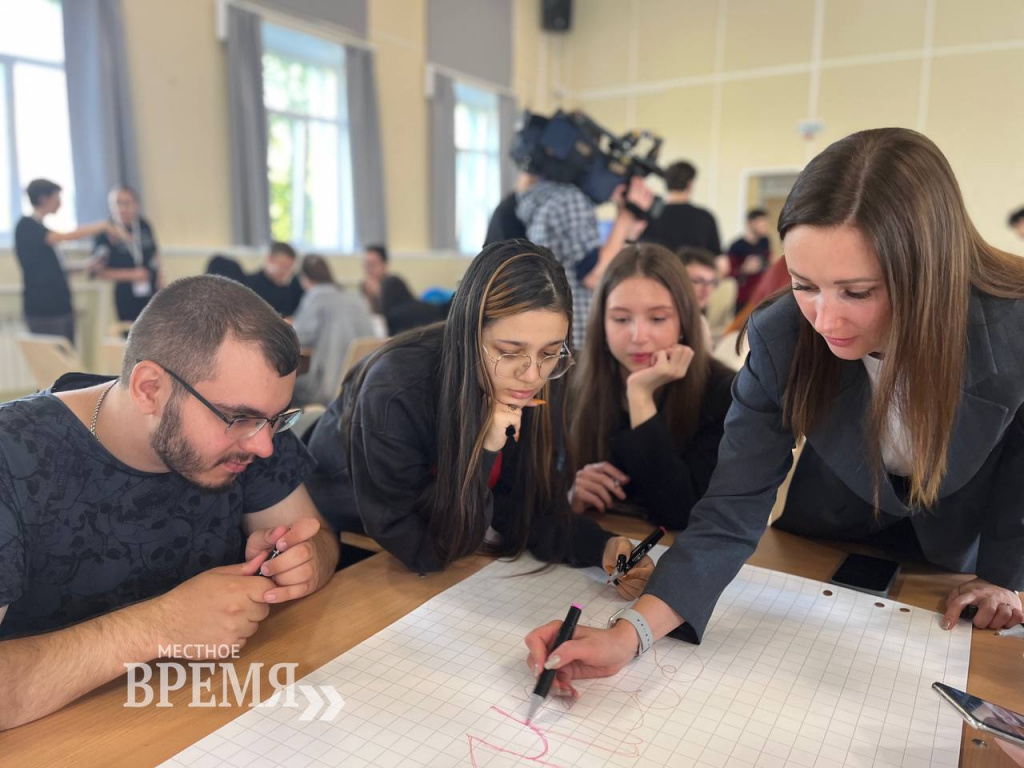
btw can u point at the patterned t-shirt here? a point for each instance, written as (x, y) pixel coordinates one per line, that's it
(82, 534)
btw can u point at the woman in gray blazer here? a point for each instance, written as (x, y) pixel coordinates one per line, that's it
(899, 356)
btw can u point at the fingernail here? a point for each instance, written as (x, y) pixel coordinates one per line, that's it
(947, 624)
(552, 662)
(536, 669)
(263, 570)
(270, 597)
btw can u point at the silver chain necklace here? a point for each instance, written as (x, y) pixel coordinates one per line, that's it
(96, 410)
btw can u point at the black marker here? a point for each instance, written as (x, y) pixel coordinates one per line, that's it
(540, 692)
(638, 554)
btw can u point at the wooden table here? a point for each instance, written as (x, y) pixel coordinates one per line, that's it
(361, 600)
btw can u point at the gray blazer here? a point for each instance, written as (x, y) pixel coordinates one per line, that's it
(977, 525)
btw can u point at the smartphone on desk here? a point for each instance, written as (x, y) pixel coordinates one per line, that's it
(866, 574)
(985, 716)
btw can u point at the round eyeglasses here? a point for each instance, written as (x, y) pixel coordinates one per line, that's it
(509, 366)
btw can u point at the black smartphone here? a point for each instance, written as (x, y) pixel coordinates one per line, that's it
(866, 574)
(980, 714)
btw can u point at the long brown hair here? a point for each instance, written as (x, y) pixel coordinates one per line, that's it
(598, 390)
(898, 190)
(505, 279)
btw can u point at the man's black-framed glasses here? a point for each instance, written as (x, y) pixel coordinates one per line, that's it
(242, 427)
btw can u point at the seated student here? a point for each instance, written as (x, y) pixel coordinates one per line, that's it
(649, 402)
(276, 283)
(750, 255)
(131, 261)
(327, 320)
(375, 267)
(126, 504)
(703, 273)
(402, 311)
(450, 452)
(225, 266)
(898, 358)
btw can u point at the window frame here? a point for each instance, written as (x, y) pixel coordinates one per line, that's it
(342, 124)
(491, 156)
(15, 183)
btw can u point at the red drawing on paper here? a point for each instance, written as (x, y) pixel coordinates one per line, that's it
(592, 731)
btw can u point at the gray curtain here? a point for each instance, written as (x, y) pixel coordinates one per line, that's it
(250, 188)
(364, 140)
(99, 104)
(442, 163)
(507, 116)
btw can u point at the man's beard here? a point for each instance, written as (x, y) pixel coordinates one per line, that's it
(180, 456)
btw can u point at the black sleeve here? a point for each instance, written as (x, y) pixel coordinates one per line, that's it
(392, 474)
(272, 480)
(556, 535)
(1002, 533)
(557, 526)
(714, 243)
(100, 244)
(389, 474)
(673, 480)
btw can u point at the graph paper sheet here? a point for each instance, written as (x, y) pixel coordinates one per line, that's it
(791, 672)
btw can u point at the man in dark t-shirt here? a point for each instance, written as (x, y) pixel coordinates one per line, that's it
(682, 224)
(277, 283)
(138, 513)
(750, 256)
(46, 297)
(131, 262)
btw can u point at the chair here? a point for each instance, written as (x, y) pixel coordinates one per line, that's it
(358, 349)
(111, 355)
(722, 305)
(48, 357)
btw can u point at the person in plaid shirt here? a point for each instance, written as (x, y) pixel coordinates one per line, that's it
(560, 217)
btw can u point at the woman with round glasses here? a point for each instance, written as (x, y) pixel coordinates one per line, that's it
(649, 401)
(444, 439)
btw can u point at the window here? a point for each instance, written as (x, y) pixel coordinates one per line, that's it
(35, 135)
(477, 164)
(308, 155)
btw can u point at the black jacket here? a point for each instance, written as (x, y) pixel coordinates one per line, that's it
(393, 461)
(669, 474)
(976, 526)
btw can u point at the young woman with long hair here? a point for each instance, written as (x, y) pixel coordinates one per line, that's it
(446, 435)
(898, 357)
(649, 402)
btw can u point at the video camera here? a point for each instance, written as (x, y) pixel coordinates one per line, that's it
(571, 148)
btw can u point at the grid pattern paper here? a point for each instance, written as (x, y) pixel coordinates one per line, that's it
(792, 672)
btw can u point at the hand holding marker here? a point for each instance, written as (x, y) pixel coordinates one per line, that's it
(639, 552)
(547, 677)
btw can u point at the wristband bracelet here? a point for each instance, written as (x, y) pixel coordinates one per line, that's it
(643, 629)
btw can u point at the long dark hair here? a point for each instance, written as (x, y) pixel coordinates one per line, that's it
(598, 390)
(898, 190)
(505, 279)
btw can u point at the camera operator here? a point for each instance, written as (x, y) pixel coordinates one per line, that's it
(562, 218)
